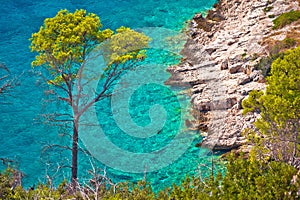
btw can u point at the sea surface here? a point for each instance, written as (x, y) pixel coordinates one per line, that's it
(24, 131)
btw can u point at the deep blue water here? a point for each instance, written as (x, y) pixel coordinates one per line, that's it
(23, 133)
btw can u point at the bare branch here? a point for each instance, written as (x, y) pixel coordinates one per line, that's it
(3, 77)
(4, 67)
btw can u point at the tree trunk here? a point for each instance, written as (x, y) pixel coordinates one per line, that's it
(75, 152)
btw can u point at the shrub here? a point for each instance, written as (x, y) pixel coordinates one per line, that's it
(282, 45)
(265, 62)
(285, 19)
(276, 50)
(245, 179)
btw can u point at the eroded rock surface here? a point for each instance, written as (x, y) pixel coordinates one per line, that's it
(219, 66)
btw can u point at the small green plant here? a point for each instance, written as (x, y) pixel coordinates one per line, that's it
(254, 56)
(267, 9)
(286, 19)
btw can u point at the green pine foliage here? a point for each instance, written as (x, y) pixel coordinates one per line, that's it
(253, 179)
(279, 108)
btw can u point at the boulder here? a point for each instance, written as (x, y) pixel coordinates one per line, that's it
(224, 65)
(244, 80)
(255, 75)
(235, 68)
(204, 105)
(198, 16)
(231, 42)
(210, 50)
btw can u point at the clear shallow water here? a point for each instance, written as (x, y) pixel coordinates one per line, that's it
(23, 134)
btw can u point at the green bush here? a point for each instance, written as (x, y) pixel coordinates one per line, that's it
(285, 19)
(253, 179)
(276, 51)
(244, 179)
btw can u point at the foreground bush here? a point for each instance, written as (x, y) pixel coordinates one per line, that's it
(245, 179)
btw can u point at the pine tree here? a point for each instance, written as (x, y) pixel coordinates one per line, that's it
(279, 107)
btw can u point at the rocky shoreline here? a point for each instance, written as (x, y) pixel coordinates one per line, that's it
(220, 62)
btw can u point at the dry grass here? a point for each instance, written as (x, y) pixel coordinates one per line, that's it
(276, 46)
(295, 34)
(292, 36)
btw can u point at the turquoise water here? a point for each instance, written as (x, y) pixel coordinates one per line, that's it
(23, 131)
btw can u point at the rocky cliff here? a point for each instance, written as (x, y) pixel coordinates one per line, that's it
(220, 65)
